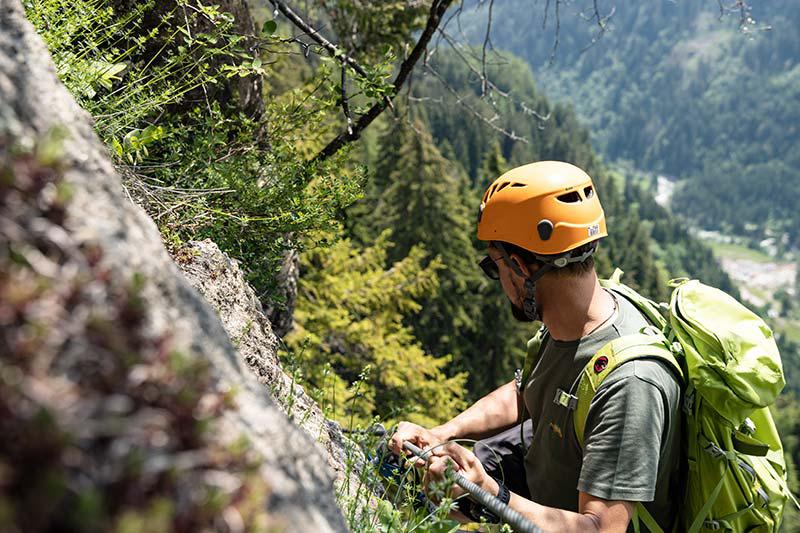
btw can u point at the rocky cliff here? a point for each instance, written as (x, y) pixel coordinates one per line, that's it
(221, 281)
(106, 346)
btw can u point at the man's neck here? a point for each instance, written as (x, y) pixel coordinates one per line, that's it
(574, 307)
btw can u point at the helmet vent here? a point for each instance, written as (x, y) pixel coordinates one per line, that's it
(518, 185)
(588, 192)
(497, 187)
(569, 198)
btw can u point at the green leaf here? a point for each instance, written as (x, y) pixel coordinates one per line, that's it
(257, 62)
(269, 27)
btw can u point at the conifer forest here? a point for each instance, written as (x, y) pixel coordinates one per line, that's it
(336, 152)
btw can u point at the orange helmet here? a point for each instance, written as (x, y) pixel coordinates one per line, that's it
(548, 208)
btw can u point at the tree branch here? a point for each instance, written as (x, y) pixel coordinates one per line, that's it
(602, 24)
(489, 121)
(486, 81)
(345, 102)
(487, 40)
(313, 34)
(438, 8)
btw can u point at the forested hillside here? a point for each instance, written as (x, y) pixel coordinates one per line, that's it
(673, 88)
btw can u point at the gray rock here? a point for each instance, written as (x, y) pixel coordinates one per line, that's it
(220, 279)
(32, 103)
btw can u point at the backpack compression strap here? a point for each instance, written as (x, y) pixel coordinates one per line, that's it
(534, 352)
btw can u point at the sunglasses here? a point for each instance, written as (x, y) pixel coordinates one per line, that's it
(489, 267)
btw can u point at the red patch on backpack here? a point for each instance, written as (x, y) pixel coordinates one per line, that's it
(600, 364)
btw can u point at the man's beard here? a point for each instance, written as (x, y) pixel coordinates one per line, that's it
(519, 313)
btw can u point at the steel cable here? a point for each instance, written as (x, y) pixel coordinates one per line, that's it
(488, 500)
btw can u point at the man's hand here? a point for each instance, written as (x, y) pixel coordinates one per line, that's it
(596, 514)
(464, 462)
(417, 435)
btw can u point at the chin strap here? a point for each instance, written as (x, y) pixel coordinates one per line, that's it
(529, 298)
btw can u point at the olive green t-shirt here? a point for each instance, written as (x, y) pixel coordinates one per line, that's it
(632, 436)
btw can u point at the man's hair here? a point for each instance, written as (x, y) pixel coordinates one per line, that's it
(571, 270)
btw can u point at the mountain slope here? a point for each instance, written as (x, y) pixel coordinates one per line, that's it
(674, 89)
(644, 240)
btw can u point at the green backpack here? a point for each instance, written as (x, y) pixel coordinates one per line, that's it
(731, 368)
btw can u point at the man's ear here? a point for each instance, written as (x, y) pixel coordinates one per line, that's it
(523, 267)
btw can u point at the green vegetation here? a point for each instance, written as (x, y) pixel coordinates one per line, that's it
(352, 345)
(164, 83)
(213, 128)
(739, 251)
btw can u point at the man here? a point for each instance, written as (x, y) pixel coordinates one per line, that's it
(543, 221)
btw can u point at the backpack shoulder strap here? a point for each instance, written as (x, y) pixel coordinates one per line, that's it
(534, 352)
(653, 312)
(608, 358)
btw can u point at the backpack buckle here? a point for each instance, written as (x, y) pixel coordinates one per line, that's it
(713, 525)
(688, 402)
(747, 427)
(714, 451)
(652, 331)
(565, 399)
(518, 379)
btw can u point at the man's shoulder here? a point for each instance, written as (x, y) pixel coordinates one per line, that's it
(652, 372)
(630, 319)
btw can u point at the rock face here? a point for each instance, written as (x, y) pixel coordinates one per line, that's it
(32, 103)
(220, 280)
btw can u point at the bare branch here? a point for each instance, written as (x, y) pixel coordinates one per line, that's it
(747, 24)
(438, 8)
(455, 15)
(558, 32)
(546, 12)
(486, 43)
(602, 24)
(487, 82)
(491, 122)
(345, 102)
(312, 33)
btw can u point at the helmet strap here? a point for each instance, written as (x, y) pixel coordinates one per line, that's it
(529, 298)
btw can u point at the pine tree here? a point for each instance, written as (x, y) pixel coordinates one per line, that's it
(492, 166)
(427, 202)
(358, 358)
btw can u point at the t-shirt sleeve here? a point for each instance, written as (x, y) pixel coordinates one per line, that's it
(623, 437)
